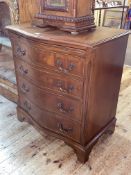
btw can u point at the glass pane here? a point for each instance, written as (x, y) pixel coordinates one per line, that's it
(56, 3)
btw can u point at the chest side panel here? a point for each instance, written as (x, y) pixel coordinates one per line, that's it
(105, 78)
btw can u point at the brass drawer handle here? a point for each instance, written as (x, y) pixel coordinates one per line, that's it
(20, 52)
(60, 67)
(71, 67)
(64, 130)
(61, 87)
(23, 71)
(62, 109)
(68, 90)
(27, 106)
(25, 89)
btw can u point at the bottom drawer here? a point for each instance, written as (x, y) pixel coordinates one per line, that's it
(51, 121)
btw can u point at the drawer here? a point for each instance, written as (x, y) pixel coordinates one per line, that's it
(43, 79)
(51, 121)
(39, 55)
(60, 104)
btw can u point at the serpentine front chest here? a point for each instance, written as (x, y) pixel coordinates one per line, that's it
(68, 85)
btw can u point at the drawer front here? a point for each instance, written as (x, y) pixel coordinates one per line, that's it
(51, 121)
(42, 56)
(43, 79)
(62, 105)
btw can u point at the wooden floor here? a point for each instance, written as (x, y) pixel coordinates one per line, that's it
(23, 151)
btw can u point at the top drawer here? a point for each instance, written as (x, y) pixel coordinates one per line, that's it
(47, 56)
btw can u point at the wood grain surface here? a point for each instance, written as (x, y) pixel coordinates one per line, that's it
(27, 10)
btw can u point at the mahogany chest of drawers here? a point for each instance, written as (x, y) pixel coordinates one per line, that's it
(68, 85)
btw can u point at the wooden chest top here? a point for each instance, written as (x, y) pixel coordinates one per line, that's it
(82, 41)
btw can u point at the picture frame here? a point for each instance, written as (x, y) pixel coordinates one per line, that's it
(60, 5)
(112, 18)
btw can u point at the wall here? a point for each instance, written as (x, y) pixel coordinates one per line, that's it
(27, 9)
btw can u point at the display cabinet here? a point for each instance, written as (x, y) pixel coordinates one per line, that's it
(73, 15)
